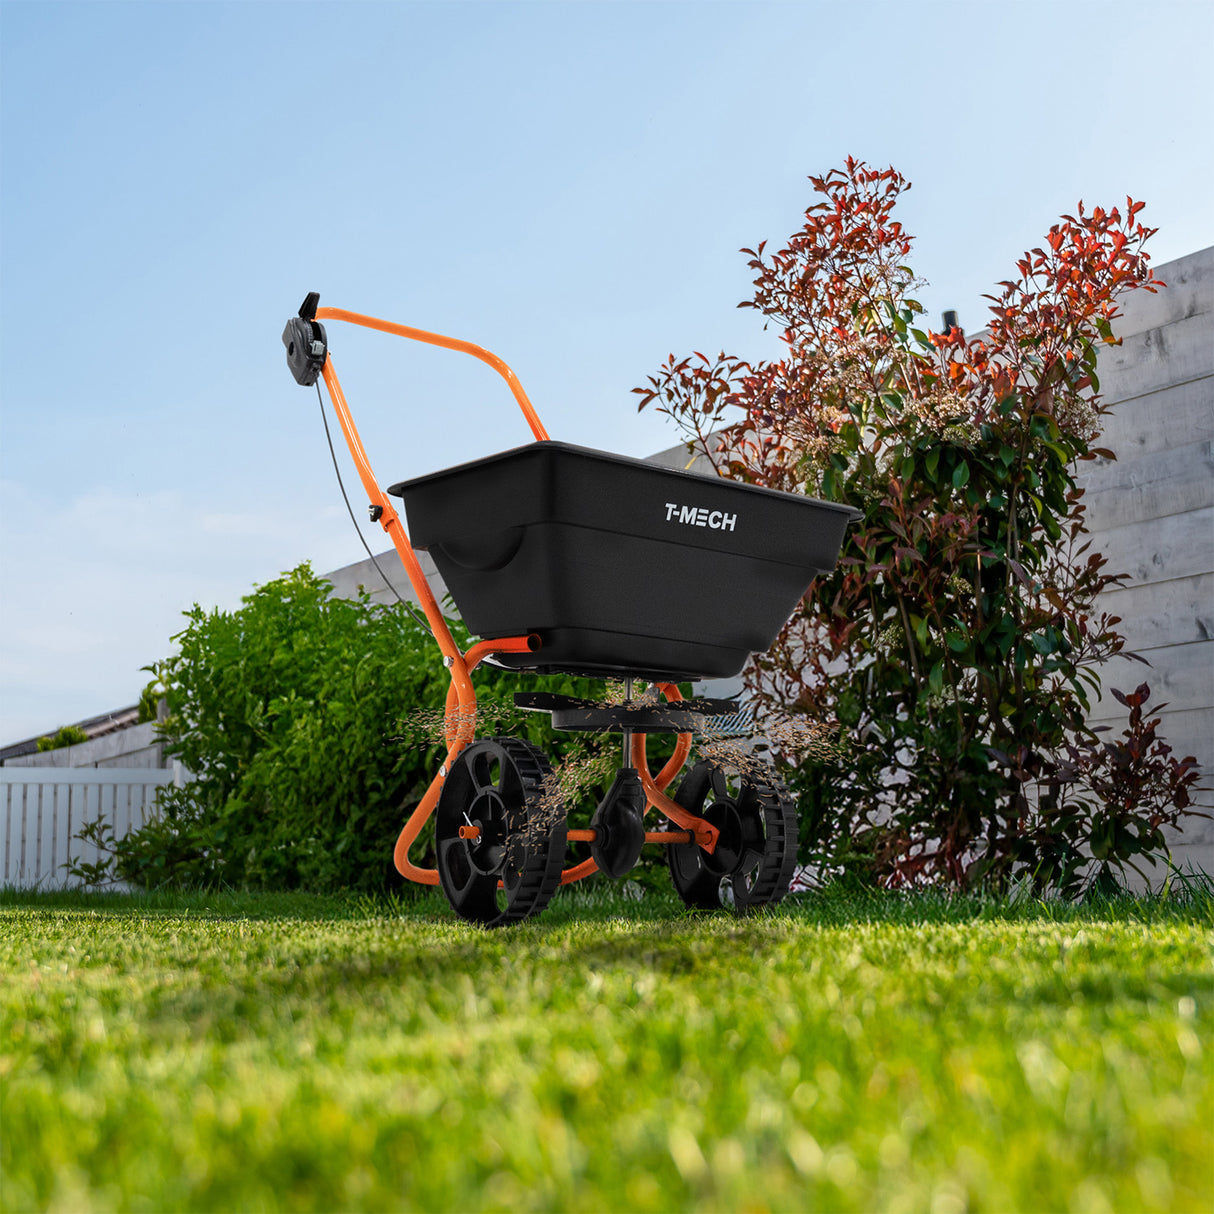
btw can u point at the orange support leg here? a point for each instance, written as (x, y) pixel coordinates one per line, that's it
(460, 730)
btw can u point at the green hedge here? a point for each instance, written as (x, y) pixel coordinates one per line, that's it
(312, 725)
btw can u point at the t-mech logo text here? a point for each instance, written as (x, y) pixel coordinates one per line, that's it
(700, 516)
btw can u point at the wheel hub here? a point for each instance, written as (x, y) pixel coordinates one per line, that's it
(488, 850)
(725, 860)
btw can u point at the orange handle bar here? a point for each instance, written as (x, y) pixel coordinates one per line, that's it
(461, 695)
(448, 343)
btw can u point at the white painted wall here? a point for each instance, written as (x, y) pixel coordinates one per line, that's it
(1152, 514)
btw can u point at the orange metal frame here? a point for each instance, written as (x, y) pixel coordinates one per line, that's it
(461, 696)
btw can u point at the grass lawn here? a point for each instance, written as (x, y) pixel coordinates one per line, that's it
(241, 1052)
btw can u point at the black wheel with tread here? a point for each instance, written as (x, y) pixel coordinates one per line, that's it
(513, 867)
(756, 853)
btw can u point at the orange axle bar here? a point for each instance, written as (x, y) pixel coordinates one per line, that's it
(589, 836)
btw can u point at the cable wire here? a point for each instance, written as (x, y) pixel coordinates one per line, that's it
(324, 417)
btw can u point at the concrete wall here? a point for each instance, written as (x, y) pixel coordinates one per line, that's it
(136, 746)
(1152, 514)
(346, 581)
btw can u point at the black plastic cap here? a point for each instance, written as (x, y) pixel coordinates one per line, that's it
(307, 347)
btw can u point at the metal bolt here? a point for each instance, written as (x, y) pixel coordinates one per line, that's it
(442, 771)
(448, 662)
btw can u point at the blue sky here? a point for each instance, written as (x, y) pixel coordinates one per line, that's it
(565, 183)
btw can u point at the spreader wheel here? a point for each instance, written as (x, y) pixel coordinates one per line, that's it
(756, 852)
(506, 863)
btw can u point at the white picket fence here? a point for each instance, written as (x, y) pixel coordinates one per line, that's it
(42, 810)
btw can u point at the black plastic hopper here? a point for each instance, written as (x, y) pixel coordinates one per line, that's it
(620, 565)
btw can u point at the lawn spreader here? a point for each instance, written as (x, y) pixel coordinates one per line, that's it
(570, 560)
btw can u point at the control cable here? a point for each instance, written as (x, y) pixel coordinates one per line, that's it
(336, 468)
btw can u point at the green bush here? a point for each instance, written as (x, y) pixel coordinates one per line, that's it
(285, 712)
(68, 735)
(149, 702)
(960, 643)
(312, 726)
